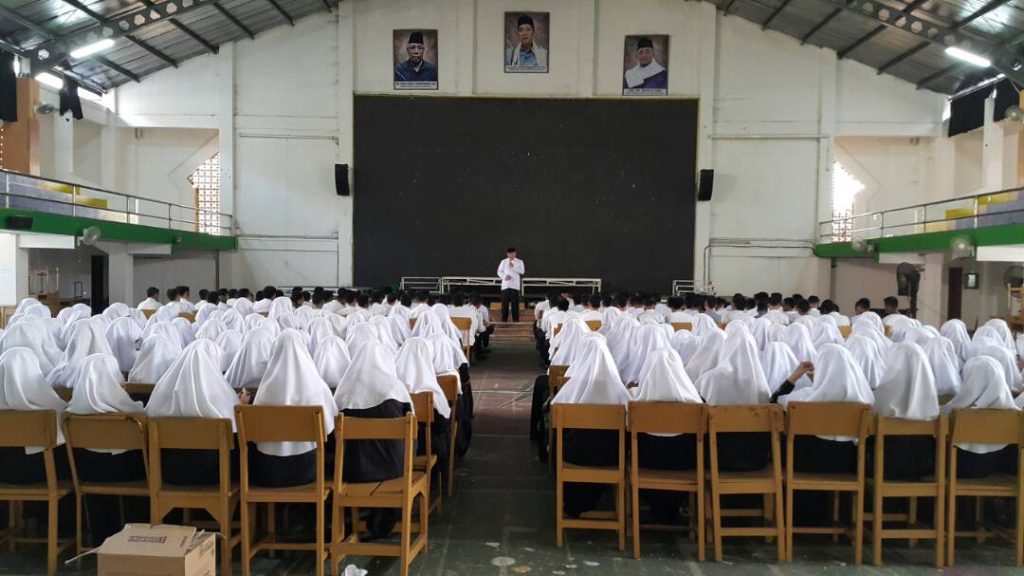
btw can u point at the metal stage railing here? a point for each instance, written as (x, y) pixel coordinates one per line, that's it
(418, 283)
(680, 287)
(591, 284)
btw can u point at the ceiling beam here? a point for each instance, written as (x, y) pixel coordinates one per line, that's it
(764, 25)
(82, 81)
(1016, 75)
(234, 20)
(900, 58)
(832, 15)
(188, 31)
(282, 11)
(940, 35)
(116, 67)
(101, 20)
(861, 41)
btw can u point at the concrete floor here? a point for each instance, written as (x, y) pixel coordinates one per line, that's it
(501, 520)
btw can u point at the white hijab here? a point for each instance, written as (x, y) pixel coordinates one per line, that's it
(399, 326)
(250, 362)
(193, 386)
(332, 359)
(188, 335)
(319, 329)
(371, 380)
(646, 338)
(956, 331)
(1007, 360)
(122, 335)
(984, 387)
(869, 357)
(664, 379)
(229, 343)
(415, 367)
(281, 306)
(870, 319)
(212, 329)
(243, 306)
(778, 363)
(707, 354)
(825, 333)
(945, 364)
(86, 338)
(799, 339)
(1003, 330)
(837, 378)
(597, 381)
(704, 325)
(156, 356)
(567, 340)
(620, 337)
(37, 338)
(23, 387)
(739, 377)
(291, 379)
(908, 388)
(685, 344)
(165, 330)
(99, 389)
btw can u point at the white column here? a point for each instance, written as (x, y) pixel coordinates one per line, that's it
(13, 270)
(705, 128)
(346, 101)
(120, 272)
(991, 151)
(64, 147)
(931, 293)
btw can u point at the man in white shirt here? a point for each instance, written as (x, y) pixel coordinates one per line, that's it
(422, 305)
(892, 311)
(485, 328)
(151, 302)
(590, 306)
(510, 271)
(861, 306)
(349, 306)
(813, 302)
(649, 314)
(459, 309)
(739, 306)
(331, 303)
(183, 294)
(676, 313)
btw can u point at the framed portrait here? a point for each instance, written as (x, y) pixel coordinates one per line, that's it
(415, 59)
(645, 65)
(527, 36)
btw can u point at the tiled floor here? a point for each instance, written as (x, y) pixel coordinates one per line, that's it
(501, 520)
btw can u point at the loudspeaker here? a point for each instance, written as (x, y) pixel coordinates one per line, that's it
(707, 184)
(19, 223)
(341, 179)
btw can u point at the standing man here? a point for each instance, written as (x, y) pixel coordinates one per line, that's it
(511, 271)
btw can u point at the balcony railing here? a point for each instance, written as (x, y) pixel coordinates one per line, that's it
(967, 213)
(21, 191)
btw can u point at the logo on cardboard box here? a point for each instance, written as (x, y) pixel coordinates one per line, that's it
(147, 539)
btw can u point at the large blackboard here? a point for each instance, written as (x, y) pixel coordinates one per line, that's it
(583, 187)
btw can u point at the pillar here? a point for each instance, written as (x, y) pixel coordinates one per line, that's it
(120, 271)
(21, 138)
(931, 299)
(13, 270)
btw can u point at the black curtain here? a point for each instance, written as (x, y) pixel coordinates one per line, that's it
(967, 112)
(8, 89)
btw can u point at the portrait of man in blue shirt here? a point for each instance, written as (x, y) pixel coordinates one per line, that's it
(415, 71)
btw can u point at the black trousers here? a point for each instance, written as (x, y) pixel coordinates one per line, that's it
(510, 297)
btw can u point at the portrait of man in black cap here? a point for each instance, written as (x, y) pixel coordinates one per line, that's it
(415, 59)
(645, 66)
(526, 33)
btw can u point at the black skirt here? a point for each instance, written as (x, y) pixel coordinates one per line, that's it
(103, 513)
(588, 448)
(375, 460)
(195, 467)
(17, 467)
(907, 458)
(743, 451)
(282, 471)
(666, 453)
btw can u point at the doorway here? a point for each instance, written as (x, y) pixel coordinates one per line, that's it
(99, 283)
(955, 293)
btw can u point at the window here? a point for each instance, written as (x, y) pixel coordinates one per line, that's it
(845, 187)
(206, 183)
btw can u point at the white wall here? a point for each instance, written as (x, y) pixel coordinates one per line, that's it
(71, 265)
(196, 270)
(156, 162)
(770, 111)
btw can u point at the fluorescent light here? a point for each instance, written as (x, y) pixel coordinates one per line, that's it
(50, 80)
(969, 57)
(92, 48)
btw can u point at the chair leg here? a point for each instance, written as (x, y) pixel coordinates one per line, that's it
(1019, 531)
(79, 547)
(319, 551)
(766, 513)
(620, 512)
(634, 502)
(835, 515)
(406, 535)
(14, 521)
(246, 538)
(940, 523)
(858, 526)
(271, 526)
(354, 512)
(951, 537)
(912, 518)
(337, 537)
(876, 526)
(789, 523)
(780, 524)
(451, 459)
(716, 514)
(701, 526)
(425, 520)
(51, 537)
(559, 511)
(979, 518)
(225, 530)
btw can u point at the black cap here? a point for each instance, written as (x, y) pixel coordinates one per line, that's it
(525, 19)
(416, 38)
(644, 42)
(511, 249)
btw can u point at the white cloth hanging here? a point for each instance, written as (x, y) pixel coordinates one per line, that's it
(250, 362)
(332, 359)
(87, 338)
(837, 378)
(1006, 359)
(1003, 329)
(36, 337)
(620, 338)
(156, 356)
(184, 328)
(567, 341)
(212, 329)
(193, 387)
(371, 380)
(166, 331)
(415, 367)
(685, 344)
(229, 342)
(868, 356)
(291, 379)
(663, 378)
(825, 333)
(956, 331)
(23, 387)
(908, 388)
(984, 386)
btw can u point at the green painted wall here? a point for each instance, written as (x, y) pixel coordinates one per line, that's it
(116, 231)
(928, 242)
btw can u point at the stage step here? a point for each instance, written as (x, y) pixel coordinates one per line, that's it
(513, 331)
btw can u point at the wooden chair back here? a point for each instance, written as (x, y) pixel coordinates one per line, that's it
(845, 331)
(349, 428)
(22, 428)
(190, 316)
(423, 407)
(412, 323)
(588, 417)
(64, 393)
(190, 434)
(134, 388)
(449, 384)
(462, 323)
(148, 313)
(986, 426)
(594, 325)
(828, 419)
(745, 418)
(677, 326)
(557, 329)
(106, 431)
(557, 370)
(668, 418)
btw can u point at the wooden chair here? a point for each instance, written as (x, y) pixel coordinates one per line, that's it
(975, 426)
(450, 385)
(19, 429)
(888, 331)
(63, 393)
(464, 325)
(677, 326)
(190, 316)
(219, 500)
(931, 487)
(105, 432)
(558, 328)
(423, 406)
(668, 418)
(845, 331)
(945, 398)
(139, 389)
(399, 492)
(594, 325)
(412, 323)
(281, 424)
(765, 418)
(148, 313)
(590, 417)
(827, 419)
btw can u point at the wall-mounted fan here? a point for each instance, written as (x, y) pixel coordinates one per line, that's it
(961, 247)
(908, 279)
(1014, 277)
(91, 235)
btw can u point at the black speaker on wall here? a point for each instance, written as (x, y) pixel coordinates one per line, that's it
(341, 179)
(707, 184)
(19, 223)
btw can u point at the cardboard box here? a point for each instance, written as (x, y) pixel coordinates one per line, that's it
(161, 550)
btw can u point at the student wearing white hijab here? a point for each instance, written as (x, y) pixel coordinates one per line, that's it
(24, 388)
(706, 356)
(250, 362)
(984, 387)
(193, 387)
(415, 368)
(945, 365)
(154, 359)
(826, 333)
(1003, 329)
(596, 382)
(229, 342)
(620, 337)
(799, 339)
(907, 391)
(1006, 359)
(332, 360)
(738, 379)
(663, 379)
(646, 338)
(184, 328)
(122, 335)
(685, 344)
(87, 338)
(35, 337)
(868, 357)
(956, 331)
(371, 389)
(291, 379)
(779, 363)
(98, 389)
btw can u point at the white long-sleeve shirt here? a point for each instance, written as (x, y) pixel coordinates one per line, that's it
(514, 269)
